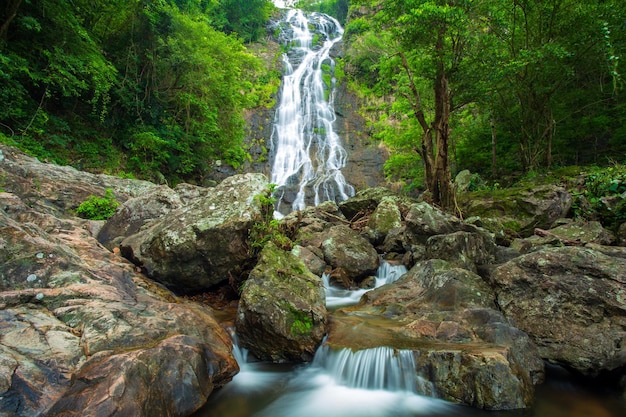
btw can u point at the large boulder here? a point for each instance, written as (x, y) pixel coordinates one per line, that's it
(282, 312)
(461, 343)
(385, 218)
(203, 243)
(465, 249)
(571, 233)
(520, 209)
(424, 220)
(572, 302)
(84, 334)
(57, 190)
(136, 212)
(349, 252)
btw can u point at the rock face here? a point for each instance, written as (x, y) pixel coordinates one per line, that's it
(282, 311)
(572, 303)
(82, 332)
(54, 189)
(203, 243)
(68, 307)
(522, 209)
(470, 352)
(344, 249)
(137, 212)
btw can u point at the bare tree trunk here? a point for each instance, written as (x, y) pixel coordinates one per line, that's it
(442, 190)
(9, 14)
(494, 141)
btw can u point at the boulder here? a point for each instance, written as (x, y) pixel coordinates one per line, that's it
(424, 220)
(204, 243)
(520, 209)
(136, 212)
(464, 249)
(572, 302)
(314, 261)
(84, 333)
(57, 190)
(468, 351)
(344, 249)
(385, 218)
(282, 312)
(364, 201)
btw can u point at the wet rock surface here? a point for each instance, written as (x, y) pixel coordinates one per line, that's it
(470, 351)
(572, 303)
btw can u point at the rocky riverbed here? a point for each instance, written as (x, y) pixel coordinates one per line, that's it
(94, 321)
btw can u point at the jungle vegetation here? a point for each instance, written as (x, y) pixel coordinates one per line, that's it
(156, 89)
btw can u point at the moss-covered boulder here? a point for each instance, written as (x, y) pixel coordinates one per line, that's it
(385, 218)
(282, 312)
(464, 249)
(203, 243)
(520, 209)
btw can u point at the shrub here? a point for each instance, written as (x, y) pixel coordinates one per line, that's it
(98, 208)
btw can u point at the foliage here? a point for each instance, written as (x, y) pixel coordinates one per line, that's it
(534, 85)
(245, 18)
(153, 86)
(267, 228)
(336, 8)
(603, 196)
(98, 208)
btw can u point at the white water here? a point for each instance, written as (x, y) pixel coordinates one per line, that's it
(307, 152)
(376, 382)
(340, 297)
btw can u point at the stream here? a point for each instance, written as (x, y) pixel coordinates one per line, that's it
(379, 382)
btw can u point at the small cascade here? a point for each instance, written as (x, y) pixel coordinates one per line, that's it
(239, 353)
(307, 152)
(341, 297)
(379, 368)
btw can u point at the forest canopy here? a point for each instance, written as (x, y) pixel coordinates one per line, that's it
(529, 85)
(155, 87)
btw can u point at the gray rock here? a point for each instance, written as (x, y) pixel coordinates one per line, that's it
(346, 250)
(385, 218)
(463, 249)
(81, 319)
(203, 243)
(572, 302)
(282, 311)
(521, 209)
(462, 344)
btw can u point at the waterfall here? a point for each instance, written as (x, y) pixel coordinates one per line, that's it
(341, 297)
(380, 368)
(307, 152)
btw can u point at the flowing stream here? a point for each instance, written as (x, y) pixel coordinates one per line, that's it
(376, 382)
(307, 152)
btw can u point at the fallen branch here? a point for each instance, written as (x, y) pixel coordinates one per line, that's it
(563, 240)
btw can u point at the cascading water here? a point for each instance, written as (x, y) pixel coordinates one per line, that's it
(341, 297)
(307, 152)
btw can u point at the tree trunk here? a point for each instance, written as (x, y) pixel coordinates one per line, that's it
(494, 141)
(441, 188)
(9, 14)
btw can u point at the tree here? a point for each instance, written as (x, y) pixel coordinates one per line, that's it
(552, 53)
(424, 68)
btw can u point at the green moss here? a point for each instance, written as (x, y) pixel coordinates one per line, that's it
(302, 323)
